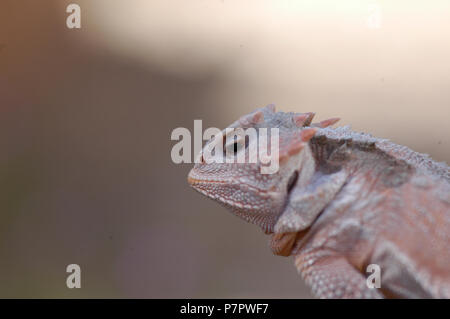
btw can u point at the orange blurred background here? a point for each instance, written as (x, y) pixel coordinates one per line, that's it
(86, 116)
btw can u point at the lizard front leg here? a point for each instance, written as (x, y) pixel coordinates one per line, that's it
(305, 203)
(282, 244)
(332, 276)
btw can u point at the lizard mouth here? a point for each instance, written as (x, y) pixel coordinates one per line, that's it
(195, 181)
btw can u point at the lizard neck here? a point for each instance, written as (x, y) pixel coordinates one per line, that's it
(361, 156)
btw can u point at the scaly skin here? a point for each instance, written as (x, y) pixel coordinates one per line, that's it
(339, 202)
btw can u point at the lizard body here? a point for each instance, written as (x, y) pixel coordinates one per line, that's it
(339, 202)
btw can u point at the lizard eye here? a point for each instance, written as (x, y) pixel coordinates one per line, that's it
(292, 181)
(232, 147)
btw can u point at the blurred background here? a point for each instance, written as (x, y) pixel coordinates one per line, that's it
(86, 116)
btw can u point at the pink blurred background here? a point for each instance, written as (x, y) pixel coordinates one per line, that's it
(86, 115)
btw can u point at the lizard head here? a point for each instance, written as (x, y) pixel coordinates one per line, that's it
(243, 187)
